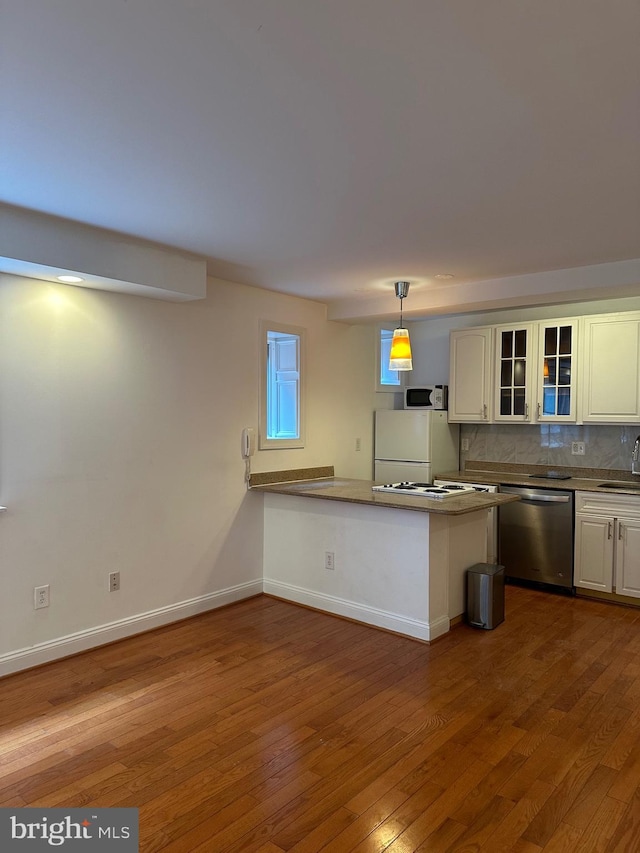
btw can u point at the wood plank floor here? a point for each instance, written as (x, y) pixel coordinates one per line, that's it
(266, 727)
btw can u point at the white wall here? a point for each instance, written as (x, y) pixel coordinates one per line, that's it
(120, 423)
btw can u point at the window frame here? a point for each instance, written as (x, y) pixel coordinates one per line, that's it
(264, 442)
(379, 385)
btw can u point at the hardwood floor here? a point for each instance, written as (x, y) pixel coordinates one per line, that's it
(266, 727)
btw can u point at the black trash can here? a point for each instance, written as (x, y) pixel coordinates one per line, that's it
(485, 595)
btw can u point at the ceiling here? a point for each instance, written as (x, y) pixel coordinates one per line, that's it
(327, 148)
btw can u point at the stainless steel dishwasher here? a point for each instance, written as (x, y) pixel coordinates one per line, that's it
(535, 537)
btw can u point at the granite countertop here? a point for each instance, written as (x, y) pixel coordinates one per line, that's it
(580, 479)
(359, 491)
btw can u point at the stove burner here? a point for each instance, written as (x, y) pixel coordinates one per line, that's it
(427, 490)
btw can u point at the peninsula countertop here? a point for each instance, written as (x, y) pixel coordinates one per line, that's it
(359, 491)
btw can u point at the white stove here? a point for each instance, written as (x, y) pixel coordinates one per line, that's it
(425, 490)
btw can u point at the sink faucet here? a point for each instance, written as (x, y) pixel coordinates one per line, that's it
(635, 457)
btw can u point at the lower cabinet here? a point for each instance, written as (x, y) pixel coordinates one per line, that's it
(607, 543)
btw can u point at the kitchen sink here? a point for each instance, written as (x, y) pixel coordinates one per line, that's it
(634, 487)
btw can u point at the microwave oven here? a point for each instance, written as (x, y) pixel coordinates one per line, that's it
(426, 397)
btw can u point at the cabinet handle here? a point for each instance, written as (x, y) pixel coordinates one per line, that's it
(620, 531)
(610, 525)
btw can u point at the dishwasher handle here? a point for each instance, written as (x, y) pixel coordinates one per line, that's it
(538, 496)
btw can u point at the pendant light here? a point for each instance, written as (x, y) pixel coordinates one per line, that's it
(400, 355)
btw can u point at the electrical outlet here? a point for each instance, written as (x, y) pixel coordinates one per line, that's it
(329, 560)
(577, 448)
(464, 444)
(40, 597)
(358, 445)
(114, 581)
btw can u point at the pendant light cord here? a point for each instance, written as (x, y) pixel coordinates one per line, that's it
(402, 289)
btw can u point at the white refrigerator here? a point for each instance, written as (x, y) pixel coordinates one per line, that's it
(414, 445)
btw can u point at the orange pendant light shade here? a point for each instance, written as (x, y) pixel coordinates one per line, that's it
(400, 355)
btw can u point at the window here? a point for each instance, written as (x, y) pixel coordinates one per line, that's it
(281, 406)
(386, 380)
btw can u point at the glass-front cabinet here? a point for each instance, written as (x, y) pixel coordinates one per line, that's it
(534, 372)
(557, 371)
(515, 373)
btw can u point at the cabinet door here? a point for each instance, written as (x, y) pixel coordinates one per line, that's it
(514, 365)
(557, 346)
(470, 375)
(593, 557)
(628, 557)
(610, 372)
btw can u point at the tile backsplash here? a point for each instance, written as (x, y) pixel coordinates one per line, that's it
(607, 447)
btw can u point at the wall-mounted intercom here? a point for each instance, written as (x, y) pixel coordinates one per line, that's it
(248, 442)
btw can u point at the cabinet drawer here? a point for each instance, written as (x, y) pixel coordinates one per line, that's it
(597, 503)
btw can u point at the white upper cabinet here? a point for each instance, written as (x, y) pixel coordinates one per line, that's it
(556, 371)
(470, 375)
(572, 370)
(515, 375)
(610, 368)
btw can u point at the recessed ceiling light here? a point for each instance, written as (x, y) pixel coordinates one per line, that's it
(70, 279)
(442, 275)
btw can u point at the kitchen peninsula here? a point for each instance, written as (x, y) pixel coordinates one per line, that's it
(393, 561)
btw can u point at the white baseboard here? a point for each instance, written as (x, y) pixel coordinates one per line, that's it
(81, 641)
(358, 612)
